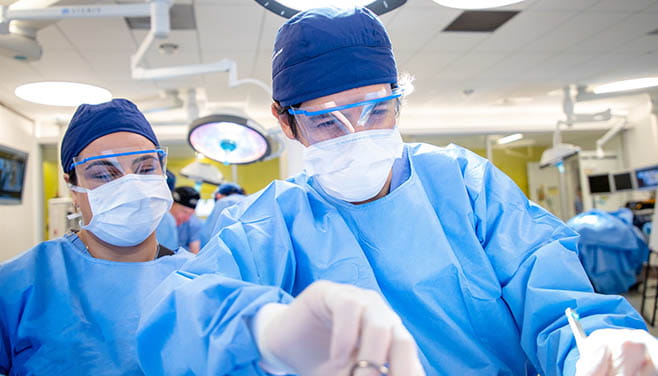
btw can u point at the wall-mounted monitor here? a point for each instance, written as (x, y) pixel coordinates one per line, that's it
(599, 183)
(12, 175)
(647, 177)
(623, 181)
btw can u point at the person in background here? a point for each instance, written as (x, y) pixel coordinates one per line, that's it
(480, 275)
(167, 233)
(187, 223)
(226, 194)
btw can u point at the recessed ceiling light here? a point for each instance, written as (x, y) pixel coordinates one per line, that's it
(476, 4)
(639, 83)
(288, 8)
(65, 94)
(509, 139)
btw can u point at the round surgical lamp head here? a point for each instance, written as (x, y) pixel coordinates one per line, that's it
(288, 8)
(229, 139)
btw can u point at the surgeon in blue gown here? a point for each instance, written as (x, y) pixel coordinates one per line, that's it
(227, 194)
(480, 275)
(166, 233)
(72, 305)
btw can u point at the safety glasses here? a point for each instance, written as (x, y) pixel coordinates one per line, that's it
(93, 171)
(375, 110)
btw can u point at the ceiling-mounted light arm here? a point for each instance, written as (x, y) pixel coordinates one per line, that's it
(160, 27)
(609, 135)
(233, 79)
(224, 65)
(72, 11)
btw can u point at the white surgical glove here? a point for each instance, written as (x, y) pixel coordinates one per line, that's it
(618, 352)
(329, 327)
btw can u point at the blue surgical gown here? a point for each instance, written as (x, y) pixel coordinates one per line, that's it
(167, 233)
(211, 222)
(612, 250)
(479, 275)
(189, 231)
(64, 312)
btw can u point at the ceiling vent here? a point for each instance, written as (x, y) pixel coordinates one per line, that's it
(480, 21)
(181, 17)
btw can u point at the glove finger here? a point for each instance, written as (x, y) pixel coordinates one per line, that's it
(346, 328)
(632, 358)
(376, 334)
(404, 354)
(648, 368)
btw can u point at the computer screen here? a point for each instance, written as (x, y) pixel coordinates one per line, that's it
(623, 181)
(599, 183)
(12, 175)
(647, 178)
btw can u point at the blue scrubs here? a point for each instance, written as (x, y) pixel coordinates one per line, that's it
(211, 222)
(479, 275)
(64, 312)
(167, 233)
(189, 231)
(612, 250)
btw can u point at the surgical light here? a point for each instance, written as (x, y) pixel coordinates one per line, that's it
(509, 139)
(229, 139)
(476, 4)
(639, 83)
(288, 8)
(65, 94)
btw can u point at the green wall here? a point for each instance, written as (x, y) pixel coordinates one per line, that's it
(514, 162)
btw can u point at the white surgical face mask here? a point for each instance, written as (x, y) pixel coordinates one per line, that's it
(128, 209)
(354, 167)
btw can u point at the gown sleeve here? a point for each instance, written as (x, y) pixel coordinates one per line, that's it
(535, 257)
(200, 324)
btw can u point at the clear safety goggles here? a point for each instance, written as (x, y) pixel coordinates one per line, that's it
(375, 110)
(93, 171)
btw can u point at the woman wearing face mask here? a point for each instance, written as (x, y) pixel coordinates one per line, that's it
(72, 305)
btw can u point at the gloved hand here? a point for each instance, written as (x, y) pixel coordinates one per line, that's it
(329, 327)
(618, 352)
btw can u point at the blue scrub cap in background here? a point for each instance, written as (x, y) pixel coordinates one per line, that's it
(227, 189)
(171, 180)
(92, 121)
(328, 50)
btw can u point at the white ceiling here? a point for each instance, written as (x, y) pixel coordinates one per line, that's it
(549, 44)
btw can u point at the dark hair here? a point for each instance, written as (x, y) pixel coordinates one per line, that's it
(291, 118)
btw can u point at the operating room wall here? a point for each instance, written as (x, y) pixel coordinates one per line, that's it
(20, 224)
(641, 138)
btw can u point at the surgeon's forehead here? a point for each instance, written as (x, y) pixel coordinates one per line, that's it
(116, 141)
(340, 96)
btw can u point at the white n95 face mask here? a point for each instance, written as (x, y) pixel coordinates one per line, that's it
(128, 209)
(354, 167)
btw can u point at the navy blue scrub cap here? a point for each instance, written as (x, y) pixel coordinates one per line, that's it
(92, 121)
(228, 188)
(324, 51)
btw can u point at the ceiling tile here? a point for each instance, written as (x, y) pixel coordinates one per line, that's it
(469, 65)
(98, 34)
(576, 29)
(523, 29)
(228, 27)
(625, 5)
(414, 27)
(52, 38)
(627, 32)
(562, 4)
(451, 41)
(62, 65)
